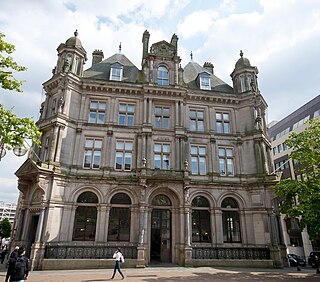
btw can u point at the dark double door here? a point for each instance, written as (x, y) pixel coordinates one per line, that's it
(161, 235)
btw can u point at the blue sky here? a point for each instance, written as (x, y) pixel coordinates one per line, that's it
(281, 38)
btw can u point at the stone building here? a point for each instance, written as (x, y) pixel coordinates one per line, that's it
(171, 164)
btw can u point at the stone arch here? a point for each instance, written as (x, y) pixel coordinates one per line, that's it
(74, 196)
(239, 199)
(204, 194)
(167, 191)
(133, 197)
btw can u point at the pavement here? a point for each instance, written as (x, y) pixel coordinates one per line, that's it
(171, 273)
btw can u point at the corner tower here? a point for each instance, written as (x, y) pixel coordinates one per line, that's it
(71, 56)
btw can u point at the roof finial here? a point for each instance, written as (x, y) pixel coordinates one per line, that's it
(120, 47)
(191, 56)
(241, 53)
(76, 33)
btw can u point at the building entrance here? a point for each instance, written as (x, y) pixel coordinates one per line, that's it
(161, 235)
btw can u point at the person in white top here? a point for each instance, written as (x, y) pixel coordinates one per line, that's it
(118, 258)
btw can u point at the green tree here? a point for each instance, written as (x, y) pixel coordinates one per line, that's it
(13, 130)
(301, 198)
(5, 228)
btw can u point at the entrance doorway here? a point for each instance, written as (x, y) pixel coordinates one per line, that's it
(161, 235)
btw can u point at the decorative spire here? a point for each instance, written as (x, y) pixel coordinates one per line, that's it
(76, 33)
(241, 53)
(191, 56)
(120, 47)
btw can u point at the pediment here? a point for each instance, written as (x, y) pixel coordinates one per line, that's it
(163, 48)
(28, 168)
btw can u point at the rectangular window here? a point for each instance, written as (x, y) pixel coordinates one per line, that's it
(274, 150)
(161, 156)
(279, 148)
(162, 117)
(196, 120)
(123, 155)
(222, 122)
(285, 147)
(116, 74)
(205, 83)
(226, 162)
(316, 114)
(126, 114)
(97, 112)
(198, 160)
(92, 155)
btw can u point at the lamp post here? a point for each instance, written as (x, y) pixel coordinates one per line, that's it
(19, 151)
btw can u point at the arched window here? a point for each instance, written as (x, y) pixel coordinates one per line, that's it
(161, 200)
(85, 217)
(163, 76)
(230, 221)
(119, 218)
(201, 231)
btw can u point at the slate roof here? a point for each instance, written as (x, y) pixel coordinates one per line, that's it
(101, 70)
(193, 69)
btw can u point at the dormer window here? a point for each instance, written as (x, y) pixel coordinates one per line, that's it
(163, 76)
(204, 81)
(116, 72)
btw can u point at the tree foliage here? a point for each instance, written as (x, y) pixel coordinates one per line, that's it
(5, 228)
(13, 130)
(301, 198)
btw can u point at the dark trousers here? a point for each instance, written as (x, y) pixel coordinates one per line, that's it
(117, 267)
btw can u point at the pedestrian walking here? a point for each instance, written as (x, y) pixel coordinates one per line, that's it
(118, 259)
(18, 268)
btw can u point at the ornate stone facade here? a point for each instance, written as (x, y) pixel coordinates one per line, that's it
(169, 163)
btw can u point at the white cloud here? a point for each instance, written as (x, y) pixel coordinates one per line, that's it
(198, 22)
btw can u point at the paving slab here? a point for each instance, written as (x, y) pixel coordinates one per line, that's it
(173, 274)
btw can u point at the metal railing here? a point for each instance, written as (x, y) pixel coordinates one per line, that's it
(231, 253)
(87, 252)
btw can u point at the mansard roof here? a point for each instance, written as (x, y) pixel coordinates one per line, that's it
(191, 72)
(101, 70)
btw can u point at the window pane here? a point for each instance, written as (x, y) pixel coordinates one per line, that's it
(194, 165)
(96, 159)
(202, 150)
(89, 143)
(128, 146)
(102, 106)
(200, 125)
(127, 161)
(158, 111)
(92, 117)
(101, 118)
(226, 128)
(194, 150)
(218, 116)
(221, 152)
(157, 147)
(229, 153)
(200, 115)
(93, 105)
(192, 114)
(226, 117)
(230, 167)
(97, 144)
(130, 108)
(165, 122)
(157, 161)
(192, 125)
(202, 165)
(130, 120)
(219, 127)
(166, 148)
(120, 145)
(118, 160)
(87, 159)
(222, 167)
(122, 107)
(165, 162)
(122, 119)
